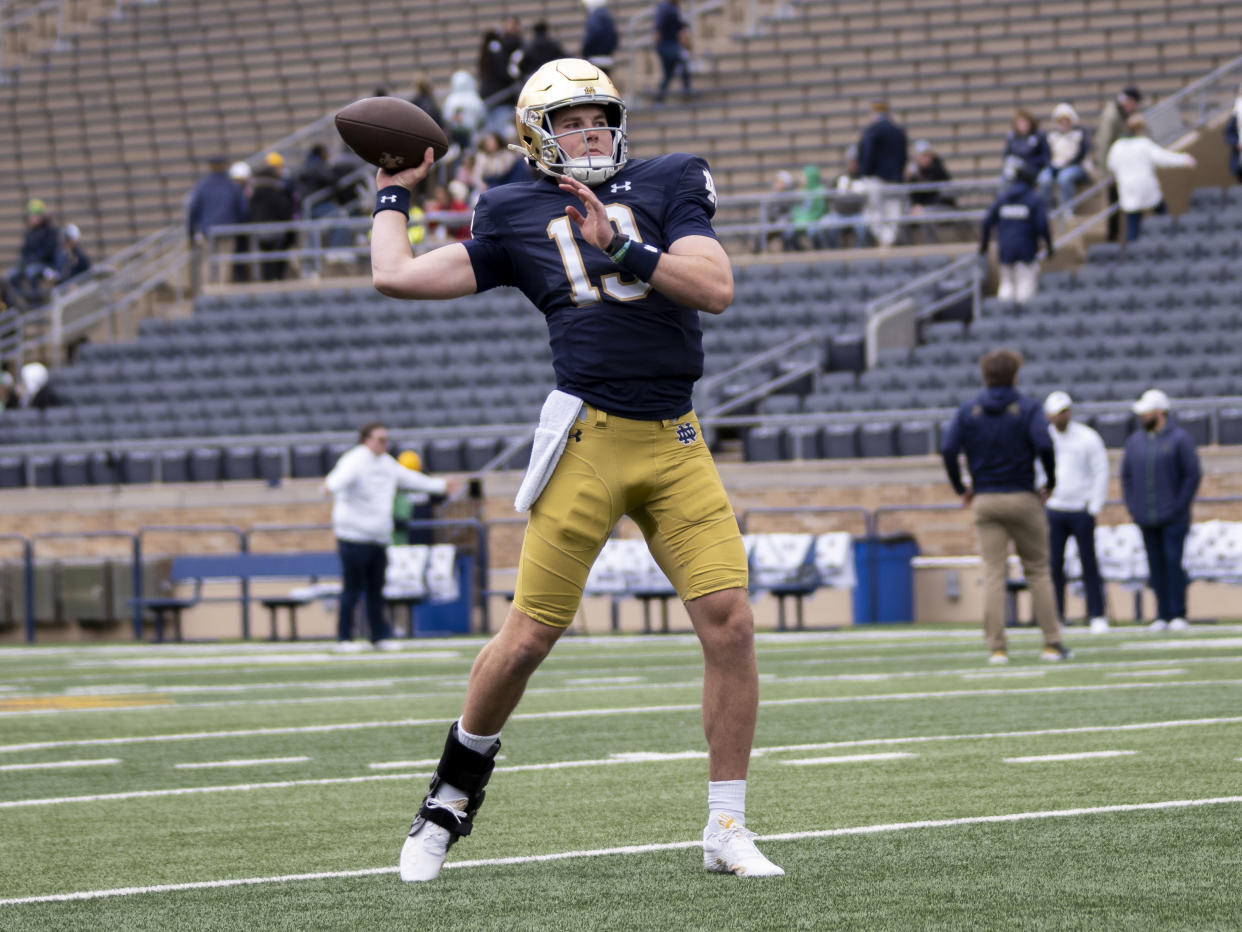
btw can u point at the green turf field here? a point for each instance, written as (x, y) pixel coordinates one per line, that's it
(900, 781)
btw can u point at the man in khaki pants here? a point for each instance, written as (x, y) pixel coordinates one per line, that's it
(1002, 432)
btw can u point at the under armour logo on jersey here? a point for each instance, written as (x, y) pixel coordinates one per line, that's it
(576, 436)
(621, 186)
(388, 198)
(687, 434)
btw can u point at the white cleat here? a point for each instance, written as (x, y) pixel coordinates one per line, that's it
(1099, 625)
(729, 848)
(1179, 624)
(348, 647)
(388, 644)
(1158, 625)
(426, 847)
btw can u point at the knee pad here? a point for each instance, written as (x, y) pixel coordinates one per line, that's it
(465, 769)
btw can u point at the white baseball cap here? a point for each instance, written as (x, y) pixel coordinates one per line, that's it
(1151, 400)
(1056, 402)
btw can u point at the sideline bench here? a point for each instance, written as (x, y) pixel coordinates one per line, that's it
(239, 567)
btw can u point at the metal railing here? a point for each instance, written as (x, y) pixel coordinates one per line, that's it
(797, 358)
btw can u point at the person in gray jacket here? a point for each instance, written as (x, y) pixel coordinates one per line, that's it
(1159, 478)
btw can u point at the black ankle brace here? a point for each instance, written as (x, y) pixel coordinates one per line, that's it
(465, 769)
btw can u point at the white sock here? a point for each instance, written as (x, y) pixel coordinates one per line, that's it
(729, 797)
(478, 743)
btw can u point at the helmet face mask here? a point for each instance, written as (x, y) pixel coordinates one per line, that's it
(559, 85)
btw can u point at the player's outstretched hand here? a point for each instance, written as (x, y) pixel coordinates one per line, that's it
(407, 178)
(595, 225)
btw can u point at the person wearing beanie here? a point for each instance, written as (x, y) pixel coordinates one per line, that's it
(1076, 502)
(1020, 219)
(1069, 148)
(1112, 126)
(36, 264)
(1133, 161)
(71, 257)
(1160, 475)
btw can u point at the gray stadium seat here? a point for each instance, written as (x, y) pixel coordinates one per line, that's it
(1113, 428)
(1196, 423)
(840, 441)
(43, 469)
(12, 472)
(444, 455)
(763, 444)
(914, 438)
(240, 462)
(479, 451)
(174, 466)
(307, 461)
(804, 442)
(72, 469)
(877, 440)
(105, 468)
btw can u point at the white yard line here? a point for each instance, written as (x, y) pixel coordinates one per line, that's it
(1080, 755)
(614, 711)
(848, 759)
(1172, 672)
(627, 849)
(63, 764)
(250, 762)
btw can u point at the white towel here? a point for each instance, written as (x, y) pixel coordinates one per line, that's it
(558, 414)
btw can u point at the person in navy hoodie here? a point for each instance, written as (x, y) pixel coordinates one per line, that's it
(1159, 478)
(1020, 219)
(1028, 142)
(1002, 432)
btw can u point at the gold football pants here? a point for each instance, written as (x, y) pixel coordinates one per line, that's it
(662, 475)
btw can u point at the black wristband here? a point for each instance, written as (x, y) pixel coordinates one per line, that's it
(393, 197)
(640, 259)
(616, 244)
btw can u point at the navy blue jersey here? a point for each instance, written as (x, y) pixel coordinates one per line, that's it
(617, 343)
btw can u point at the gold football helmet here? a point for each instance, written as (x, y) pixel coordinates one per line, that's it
(569, 82)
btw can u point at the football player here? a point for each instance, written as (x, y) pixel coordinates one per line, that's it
(621, 258)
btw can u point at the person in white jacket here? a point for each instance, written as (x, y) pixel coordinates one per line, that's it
(1075, 503)
(1133, 160)
(363, 484)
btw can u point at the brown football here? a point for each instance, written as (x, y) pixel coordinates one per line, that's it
(390, 132)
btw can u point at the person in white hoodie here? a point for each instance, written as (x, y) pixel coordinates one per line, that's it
(363, 483)
(1075, 503)
(1133, 160)
(1069, 144)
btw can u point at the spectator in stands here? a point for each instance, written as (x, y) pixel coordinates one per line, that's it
(775, 209)
(1234, 138)
(1082, 489)
(1021, 221)
(36, 264)
(215, 201)
(1027, 142)
(71, 257)
(882, 148)
(1159, 478)
(465, 111)
(805, 217)
(1133, 161)
(599, 35)
(882, 157)
(539, 49)
(1112, 127)
(363, 484)
(241, 174)
(847, 207)
(450, 199)
(672, 44)
(315, 177)
(623, 311)
(271, 202)
(1069, 151)
(929, 169)
(1002, 433)
(424, 98)
(34, 391)
(495, 164)
(9, 397)
(495, 81)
